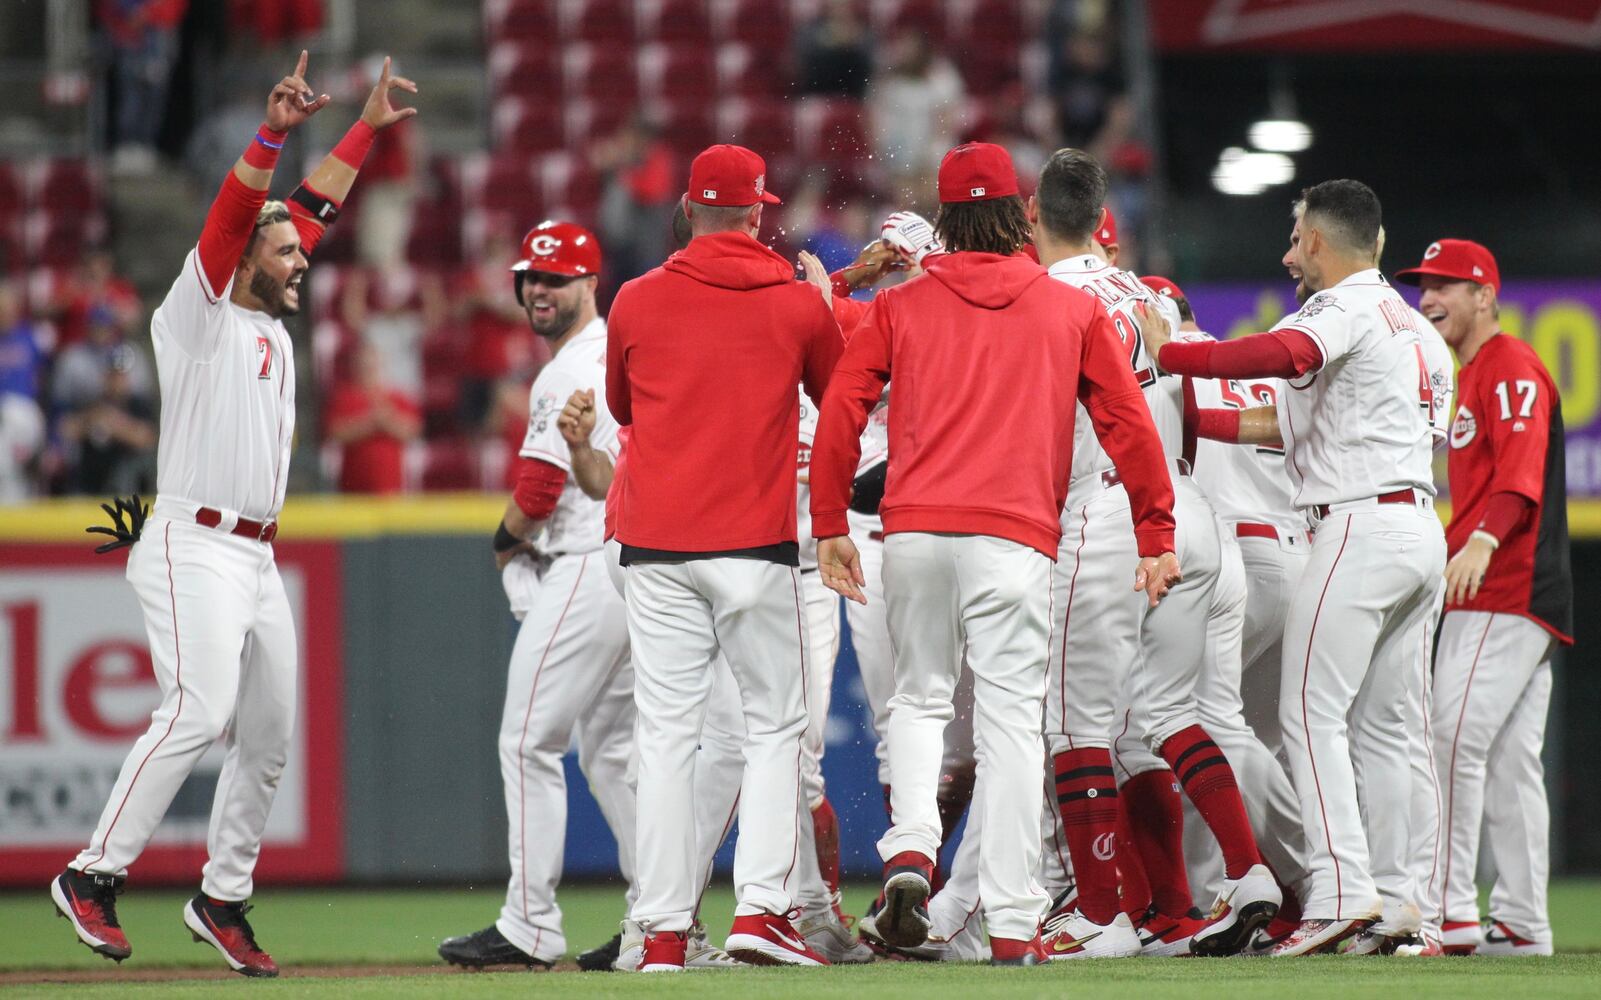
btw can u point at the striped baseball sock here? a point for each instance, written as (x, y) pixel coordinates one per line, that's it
(1086, 796)
(1208, 781)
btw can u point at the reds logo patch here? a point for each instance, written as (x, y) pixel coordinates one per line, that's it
(1105, 846)
(1463, 428)
(1432, 252)
(1316, 304)
(544, 244)
(543, 409)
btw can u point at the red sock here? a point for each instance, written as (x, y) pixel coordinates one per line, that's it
(825, 827)
(1136, 887)
(1208, 781)
(1156, 824)
(889, 813)
(1086, 796)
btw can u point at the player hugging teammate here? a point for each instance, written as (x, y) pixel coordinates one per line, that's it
(1098, 565)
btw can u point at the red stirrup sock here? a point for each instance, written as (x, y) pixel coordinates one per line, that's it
(1208, 781)
(1086, 796)
(1156, 822)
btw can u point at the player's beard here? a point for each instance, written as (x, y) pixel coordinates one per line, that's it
(561, 320)
(272, 294)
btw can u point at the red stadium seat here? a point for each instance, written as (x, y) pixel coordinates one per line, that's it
(11, 196)
(587, 120)
(601, 73)
(832, 131)
(749, 71)
(761, 23)
(926, 17)
(521, 19)
(678, 73)
(572, 187)
(528, 126)
(763, 125)
(687, 126)
(450, 463)
(67, 185)
(531, 71)
(604, 22)
(682, 21)
(501, 183)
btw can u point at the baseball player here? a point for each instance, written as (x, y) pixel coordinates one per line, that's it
(569, 667)
(1119, 656)
(1356, 424)
(1508, 606)
(967, 560)
(706, 521)
(222, 640)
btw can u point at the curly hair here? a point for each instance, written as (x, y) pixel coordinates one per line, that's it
(998, 225)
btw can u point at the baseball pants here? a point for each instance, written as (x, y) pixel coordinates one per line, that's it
(990, 596)
(875, 658)
(569, 675)
(679, 615)
(822, 625)
(1492, 690)
(223, 645)
(1273, 568)
(955, 920)
(1427, 804)
(1350, 644)
(1264, 784)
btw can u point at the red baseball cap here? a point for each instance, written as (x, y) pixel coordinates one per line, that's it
(729, 175)
(976, 171)
(559, 248)
(1462, 260)
(1163, 286)
(1106, 232)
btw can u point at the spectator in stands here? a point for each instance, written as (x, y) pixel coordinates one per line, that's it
(1086, 83)
(640, 189)
(95, 287)
(916, 108)
(394, 309)
(388, 191)
(22, 357)
(835, 53)
(372, 423)
(22, 440)
(84, 370)
(143, 36)
(499, 343)
(107, 425)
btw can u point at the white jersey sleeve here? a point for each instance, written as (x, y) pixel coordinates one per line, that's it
(190, 311)
(1328, 321)
(1442, 378)
(803, 483)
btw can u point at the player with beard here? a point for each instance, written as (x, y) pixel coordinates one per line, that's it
(222, 640)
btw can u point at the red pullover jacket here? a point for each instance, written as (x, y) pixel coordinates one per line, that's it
(988, 356)
(702, 358)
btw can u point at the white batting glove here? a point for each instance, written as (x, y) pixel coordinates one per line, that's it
(911, 236)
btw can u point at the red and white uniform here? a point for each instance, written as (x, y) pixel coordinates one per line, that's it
(1492, 674)
(1358, 434)
(569, 672)
(822, 619)
(222, 640)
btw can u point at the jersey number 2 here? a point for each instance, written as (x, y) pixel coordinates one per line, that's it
(264, 350)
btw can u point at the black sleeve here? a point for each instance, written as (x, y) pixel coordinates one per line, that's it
(867, 489)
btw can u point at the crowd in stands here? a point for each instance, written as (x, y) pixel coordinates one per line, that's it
(421, 357)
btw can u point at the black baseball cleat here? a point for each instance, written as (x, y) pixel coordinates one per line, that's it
(485, 948)
(90, 903)
(600, 959)
(223, 926)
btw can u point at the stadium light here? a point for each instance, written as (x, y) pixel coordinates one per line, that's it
(1239, 172)
(1281, 135)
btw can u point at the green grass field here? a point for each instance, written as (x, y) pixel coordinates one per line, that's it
(322, 937)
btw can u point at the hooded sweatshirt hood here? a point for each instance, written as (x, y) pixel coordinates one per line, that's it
(730, 260)
(987, 280)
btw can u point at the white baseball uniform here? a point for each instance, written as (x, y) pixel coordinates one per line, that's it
(822, 620)
(569, 671)
(222, 640)
(869, 626)
(1357, 434)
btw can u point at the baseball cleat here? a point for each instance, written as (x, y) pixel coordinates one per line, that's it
(224, 927)
(1077, 936)
(1376, 942)
(908, 882)
(1162, 936)
(1065, 904)
(89, 902)
(769, 939)
(1317, 937)
(1010, 951)
(830, 938)
(630, 948)
(1499, 940)
(1461, 937)
(602, 958)
(664, 952)
(485, 948)
(1246, 903)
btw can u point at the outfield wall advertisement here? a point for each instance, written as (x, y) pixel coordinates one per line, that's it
(1560, 319)
(77, 688)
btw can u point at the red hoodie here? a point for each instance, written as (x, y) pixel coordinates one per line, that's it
(702, 358)
(988, 357)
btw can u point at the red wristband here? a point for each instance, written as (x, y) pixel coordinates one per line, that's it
(1218, 425)
(352, 149)
(841, 287)
(262, 153)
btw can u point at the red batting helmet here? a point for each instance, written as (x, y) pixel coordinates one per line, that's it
(563, 248)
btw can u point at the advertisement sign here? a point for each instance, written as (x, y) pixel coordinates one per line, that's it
(1561, 320)
(77, 689)
(1373, 25)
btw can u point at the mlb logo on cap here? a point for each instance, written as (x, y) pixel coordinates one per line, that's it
(977, 192)
(976, 171)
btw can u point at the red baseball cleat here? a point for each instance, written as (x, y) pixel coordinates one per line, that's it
(223, 926)
(1010, 951)
(769, 939)
(90, 903)
(664, 952)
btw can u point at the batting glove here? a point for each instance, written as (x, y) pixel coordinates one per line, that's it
(911, 236)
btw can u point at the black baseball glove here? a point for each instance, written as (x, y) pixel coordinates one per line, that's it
(123, 534)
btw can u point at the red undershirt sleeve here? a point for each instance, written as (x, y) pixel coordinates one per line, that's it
(1503, 512)
(227, 230)
(1279, 354)
(539, 486)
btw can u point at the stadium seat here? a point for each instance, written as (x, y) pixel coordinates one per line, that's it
(528, 126)
(604, 73)
(525, 70)
(763, 125)
(603, 22)
(687, 126)
(753, 22)
(680, 21)
(926, 17)
(588, 120)
(678, 73)
(502, 183)
(572, 188)
(11, 197)
(450, 463)
(66, 186)
(832, 131)
(520, 19)
(749, 71)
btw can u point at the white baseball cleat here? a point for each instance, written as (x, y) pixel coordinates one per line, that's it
(1246, 903)
(1076, 936)
(830, 938)
(700, 953)
(632, 949)
(1461, 937)
(1317, 937)
(1501, 940)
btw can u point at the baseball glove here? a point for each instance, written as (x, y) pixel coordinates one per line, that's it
(122, 533)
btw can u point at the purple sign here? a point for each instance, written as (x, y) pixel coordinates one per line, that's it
(1561, 319)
